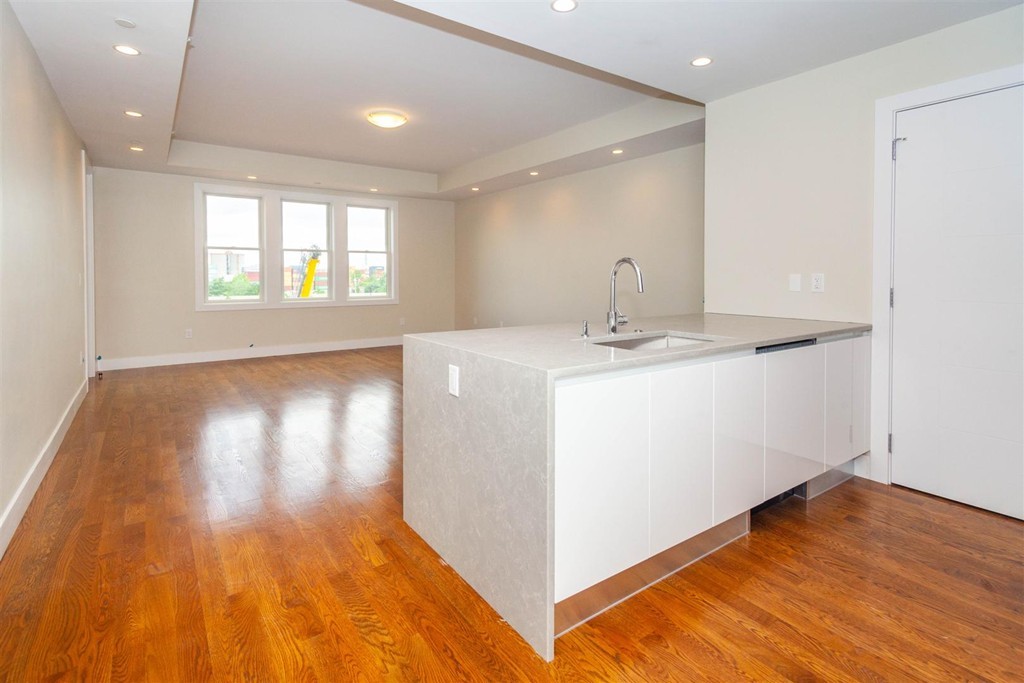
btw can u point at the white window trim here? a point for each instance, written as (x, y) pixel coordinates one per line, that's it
(271, 245)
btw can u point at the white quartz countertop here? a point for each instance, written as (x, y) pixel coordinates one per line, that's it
(561, 352)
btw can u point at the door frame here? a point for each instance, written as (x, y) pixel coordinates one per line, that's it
(877, 465)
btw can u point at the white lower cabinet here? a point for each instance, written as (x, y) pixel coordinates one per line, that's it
(682, 456)
(794, 418)
(602, 479)
(647, 460)
(847, 396)
(739, 436)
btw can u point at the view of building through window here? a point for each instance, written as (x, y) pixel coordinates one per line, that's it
(305, 236)
(233, 253)
(368, 238)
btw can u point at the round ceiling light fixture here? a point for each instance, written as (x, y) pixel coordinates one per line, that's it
(136, 147)
(701, 61)
(386, 118)
(125, 23)
(132, 114)
(617, 151)
(534, 172)
(127, 50)
(251, 177)
(564, 5)
(475, 189)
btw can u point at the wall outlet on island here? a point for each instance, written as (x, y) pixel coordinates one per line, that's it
(453, 380)
(817, 282)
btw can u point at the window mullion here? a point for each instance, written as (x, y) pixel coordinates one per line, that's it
(273, 253)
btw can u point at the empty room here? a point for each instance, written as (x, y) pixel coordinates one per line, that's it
(571, 340)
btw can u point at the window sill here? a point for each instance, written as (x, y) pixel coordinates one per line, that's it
(204, 306)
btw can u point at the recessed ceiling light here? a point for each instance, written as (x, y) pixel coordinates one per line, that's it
(125, 23)
(251, 177)
(534, 172)
(564, 5)
(127, 50)
(475, 189)
(133, 114)
(373, 189)
(616, 151)
(701, 61)
(385, 118)
(136, 147)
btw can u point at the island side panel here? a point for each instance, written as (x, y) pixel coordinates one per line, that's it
(476, 478)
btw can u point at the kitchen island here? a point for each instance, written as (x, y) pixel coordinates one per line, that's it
(558, 474)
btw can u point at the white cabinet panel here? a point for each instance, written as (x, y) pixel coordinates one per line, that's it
(861, 415)
(602, 474)
(838, 402)
(794, 418)
(739, 436)
(681, 454)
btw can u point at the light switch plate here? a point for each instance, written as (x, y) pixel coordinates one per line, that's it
(817, 282)
(794, 282)
(453, 380)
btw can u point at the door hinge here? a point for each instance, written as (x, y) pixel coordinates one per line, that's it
(894, 141)
(890, 443)
(892, 297)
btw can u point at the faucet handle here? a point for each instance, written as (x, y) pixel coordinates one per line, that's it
(586, 330)
(620, 318)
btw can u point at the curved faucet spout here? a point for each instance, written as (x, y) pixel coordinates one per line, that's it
(614, 317)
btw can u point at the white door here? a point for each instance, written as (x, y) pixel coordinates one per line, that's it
(958, 312)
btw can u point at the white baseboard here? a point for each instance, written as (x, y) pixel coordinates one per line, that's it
(12, 516)
(238, 354)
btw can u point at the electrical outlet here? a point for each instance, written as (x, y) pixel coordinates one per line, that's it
(188, 333)
(401, 322)
(794, 282)
(817, 282)
(453, 380)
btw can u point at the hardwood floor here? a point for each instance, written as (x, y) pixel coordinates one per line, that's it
(243, 522)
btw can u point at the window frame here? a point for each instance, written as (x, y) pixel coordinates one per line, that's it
(272, 248)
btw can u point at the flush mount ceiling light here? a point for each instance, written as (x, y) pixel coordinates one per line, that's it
(617, 151)
(564, 5)
(127, 50)
(136, 147)
(534, 172)
(385, 118)
(701, 61)
(475, 189)
(251, 177)
(125, 23)
(373, 189)
(132, 114)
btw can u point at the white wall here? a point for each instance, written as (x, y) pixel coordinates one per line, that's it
(145, 265)
(42, 311)
(790, 171)
(543, 252)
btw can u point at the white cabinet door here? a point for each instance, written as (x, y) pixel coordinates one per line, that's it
(847, 397)
(739, 436)
(861, 417)
(794, 418)
(602, 474)
(838, 402)
(681, 454)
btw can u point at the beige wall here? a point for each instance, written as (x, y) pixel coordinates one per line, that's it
(145, 278)
(790, 171)
(543, 252)
(42, 310)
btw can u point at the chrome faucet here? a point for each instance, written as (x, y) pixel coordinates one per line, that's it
(614, 317)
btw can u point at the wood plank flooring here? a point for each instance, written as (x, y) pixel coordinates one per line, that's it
(243, 522)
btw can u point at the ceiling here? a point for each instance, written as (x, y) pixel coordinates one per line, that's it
(493, 90)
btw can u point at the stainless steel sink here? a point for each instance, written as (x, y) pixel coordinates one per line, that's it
(654, 341)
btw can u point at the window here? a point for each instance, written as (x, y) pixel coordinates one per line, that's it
(306, 241)
(368, 252)
(261, 248)
(233, 254)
